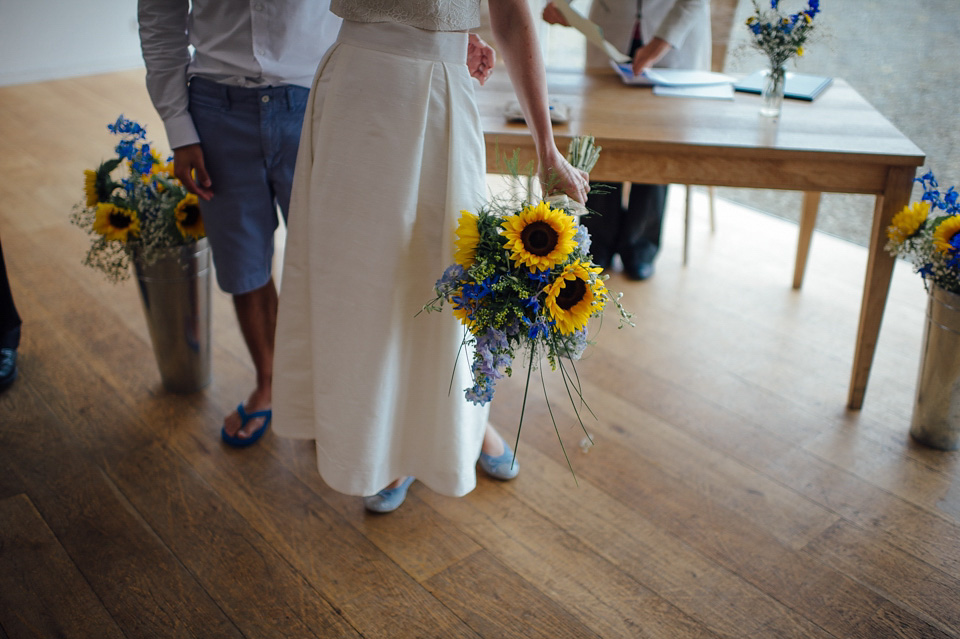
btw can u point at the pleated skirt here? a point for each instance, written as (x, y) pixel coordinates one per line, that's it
(391, 152)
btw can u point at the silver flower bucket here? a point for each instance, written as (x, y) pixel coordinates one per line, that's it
(936, 411)
(175, 291)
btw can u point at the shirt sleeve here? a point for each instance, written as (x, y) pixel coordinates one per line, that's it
(681, 18)
(165, 45)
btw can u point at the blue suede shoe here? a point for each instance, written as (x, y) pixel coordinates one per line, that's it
(388, 499)
(245, 417)
(503, 467)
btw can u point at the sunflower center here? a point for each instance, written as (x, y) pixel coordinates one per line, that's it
(539, 238)
(119, 220)
(571, 294)
(191, 214)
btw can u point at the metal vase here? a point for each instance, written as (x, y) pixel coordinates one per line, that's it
(175, 291)
(936, 410)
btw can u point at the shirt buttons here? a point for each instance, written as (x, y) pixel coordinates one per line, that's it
(258, 7)
(265, 99)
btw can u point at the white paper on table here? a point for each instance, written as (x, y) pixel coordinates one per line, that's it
(709, 91)
(591, 30)
(671, 77)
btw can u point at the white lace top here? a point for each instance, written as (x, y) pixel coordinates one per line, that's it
(432, 15)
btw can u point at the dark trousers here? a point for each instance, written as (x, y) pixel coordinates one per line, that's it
(9, 319)
(634, 232)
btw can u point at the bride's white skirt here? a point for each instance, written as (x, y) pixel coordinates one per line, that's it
(391, 151)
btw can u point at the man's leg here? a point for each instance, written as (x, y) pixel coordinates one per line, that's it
(9, 329)
(241, 219)
(639, 240)
(257, 316)
(605, 200)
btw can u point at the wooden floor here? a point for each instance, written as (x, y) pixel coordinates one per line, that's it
(729, 493)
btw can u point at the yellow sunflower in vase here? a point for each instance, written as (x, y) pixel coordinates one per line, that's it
(90, 187)
(189, 220)
(945, 233)
(540, 237)
(908, 221)
(116, 223)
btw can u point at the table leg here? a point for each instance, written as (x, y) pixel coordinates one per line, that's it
(686, 223)
(879, 272)
(808, 218)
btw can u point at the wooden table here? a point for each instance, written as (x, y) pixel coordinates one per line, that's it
(837, 143)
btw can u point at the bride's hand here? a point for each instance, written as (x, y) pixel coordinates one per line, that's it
(557, 175)
(481, 58)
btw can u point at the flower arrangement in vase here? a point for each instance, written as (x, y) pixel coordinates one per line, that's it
(134, 207)
(780, 37)
(138, 213)
(927, 233)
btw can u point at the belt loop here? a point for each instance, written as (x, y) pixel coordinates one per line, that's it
(288, 93)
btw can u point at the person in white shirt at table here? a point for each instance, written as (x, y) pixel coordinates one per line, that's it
(672, 34)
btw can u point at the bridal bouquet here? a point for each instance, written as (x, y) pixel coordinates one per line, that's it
(523, 282)
(134, 206)
(928, 239)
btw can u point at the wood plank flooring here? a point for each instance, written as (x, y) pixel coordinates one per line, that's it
(729, 492)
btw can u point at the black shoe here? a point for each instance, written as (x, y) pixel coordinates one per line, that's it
(639, 272)
(8, 367)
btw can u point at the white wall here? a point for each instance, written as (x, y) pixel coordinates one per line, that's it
(48, 39)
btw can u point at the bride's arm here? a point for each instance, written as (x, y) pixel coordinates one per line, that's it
(513, 27)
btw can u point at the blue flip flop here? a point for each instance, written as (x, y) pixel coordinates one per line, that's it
(245, 417)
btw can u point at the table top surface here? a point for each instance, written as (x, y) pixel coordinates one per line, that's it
(840, 121)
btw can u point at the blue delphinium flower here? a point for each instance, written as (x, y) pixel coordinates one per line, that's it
(493, 351)
(539, 328)
(124, 126)
(540, 277)
(127, 149)
(479, 393)
(532, 304)
(582, 238)
(450, 280)
(142, 162)
(950, 199)
(478, 290)
(491, 360)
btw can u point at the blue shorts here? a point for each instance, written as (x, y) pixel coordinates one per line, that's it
(250, 138)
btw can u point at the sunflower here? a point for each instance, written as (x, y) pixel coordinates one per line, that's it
(908, 221)
(97, 185)
(540, 237)
(468, 237)
(572, 298)
(90, 188)
(189, 220)
(116, 223)
(945, 236)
